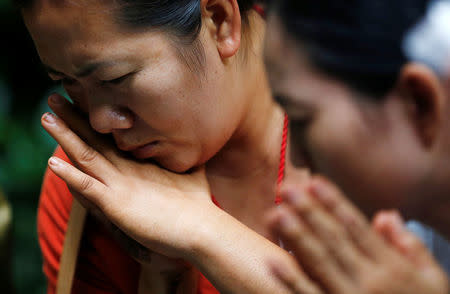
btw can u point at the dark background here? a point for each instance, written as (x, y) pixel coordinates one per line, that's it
(24, 149)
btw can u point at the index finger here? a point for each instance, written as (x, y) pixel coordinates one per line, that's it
(80, 125)
(354, 221)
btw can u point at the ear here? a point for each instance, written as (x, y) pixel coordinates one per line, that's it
(223, 21)
(424, 97)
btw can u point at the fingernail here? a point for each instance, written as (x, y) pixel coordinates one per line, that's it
(398, 222)
(56, 99)
(49, 118)
(54, 161)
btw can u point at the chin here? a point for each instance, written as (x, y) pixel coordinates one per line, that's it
(175, 165)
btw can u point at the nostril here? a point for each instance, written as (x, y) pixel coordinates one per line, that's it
(99, 125)
(105, 118)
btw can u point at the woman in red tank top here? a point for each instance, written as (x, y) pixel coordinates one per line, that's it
(180, 84)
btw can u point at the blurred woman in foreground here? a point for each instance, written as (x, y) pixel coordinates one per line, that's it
(377, 124)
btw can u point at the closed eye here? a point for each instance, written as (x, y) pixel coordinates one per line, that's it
(117, 81)
(68, 81)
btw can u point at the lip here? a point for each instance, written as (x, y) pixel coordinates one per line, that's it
(145, 151)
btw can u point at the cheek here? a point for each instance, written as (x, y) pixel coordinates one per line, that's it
(332, 144)
(164, 103)
(177, 104)
(362, 160)
(343, 149)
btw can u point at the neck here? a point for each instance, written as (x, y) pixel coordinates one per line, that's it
(255, 144)
(434, 210)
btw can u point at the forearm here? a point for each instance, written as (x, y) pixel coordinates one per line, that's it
(233, 257)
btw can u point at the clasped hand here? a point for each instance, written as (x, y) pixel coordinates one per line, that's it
(338, 251)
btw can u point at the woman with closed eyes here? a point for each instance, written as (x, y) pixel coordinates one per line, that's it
(174, 119)
(367, 89)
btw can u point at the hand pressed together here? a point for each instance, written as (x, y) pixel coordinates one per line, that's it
(337, 248)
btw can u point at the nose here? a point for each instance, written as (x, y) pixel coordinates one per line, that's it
(107, 118)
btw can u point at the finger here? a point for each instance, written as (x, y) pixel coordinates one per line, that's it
(309, 252)
(84, 156)
(391, 226)
(332, 234)
(80, 125)
(92, 189)
(293, 278)
(354, 221)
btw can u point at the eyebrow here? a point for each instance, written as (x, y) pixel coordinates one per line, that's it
(85, 71)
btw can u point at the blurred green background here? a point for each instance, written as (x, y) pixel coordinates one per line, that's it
(24, 150)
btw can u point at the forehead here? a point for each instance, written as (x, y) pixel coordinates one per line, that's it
(62, 19)
(284, 55)
(294, 76)
(287, 61)
(63, 28)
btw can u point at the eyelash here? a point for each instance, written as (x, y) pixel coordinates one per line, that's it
(68, 82)
(116, 81)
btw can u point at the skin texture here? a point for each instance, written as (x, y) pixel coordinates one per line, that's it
(337, 246)
(394, 146)
(218, 115)
(183, 223)
(382, 155)
(157, 97)
(216, 126)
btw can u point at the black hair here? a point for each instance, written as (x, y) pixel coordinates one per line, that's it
(357, 41)
(180, 18)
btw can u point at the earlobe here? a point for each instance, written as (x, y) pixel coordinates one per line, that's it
(424, 97)
(223, 19)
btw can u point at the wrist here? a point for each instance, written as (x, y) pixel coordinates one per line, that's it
(195, 225)
(205, 232)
